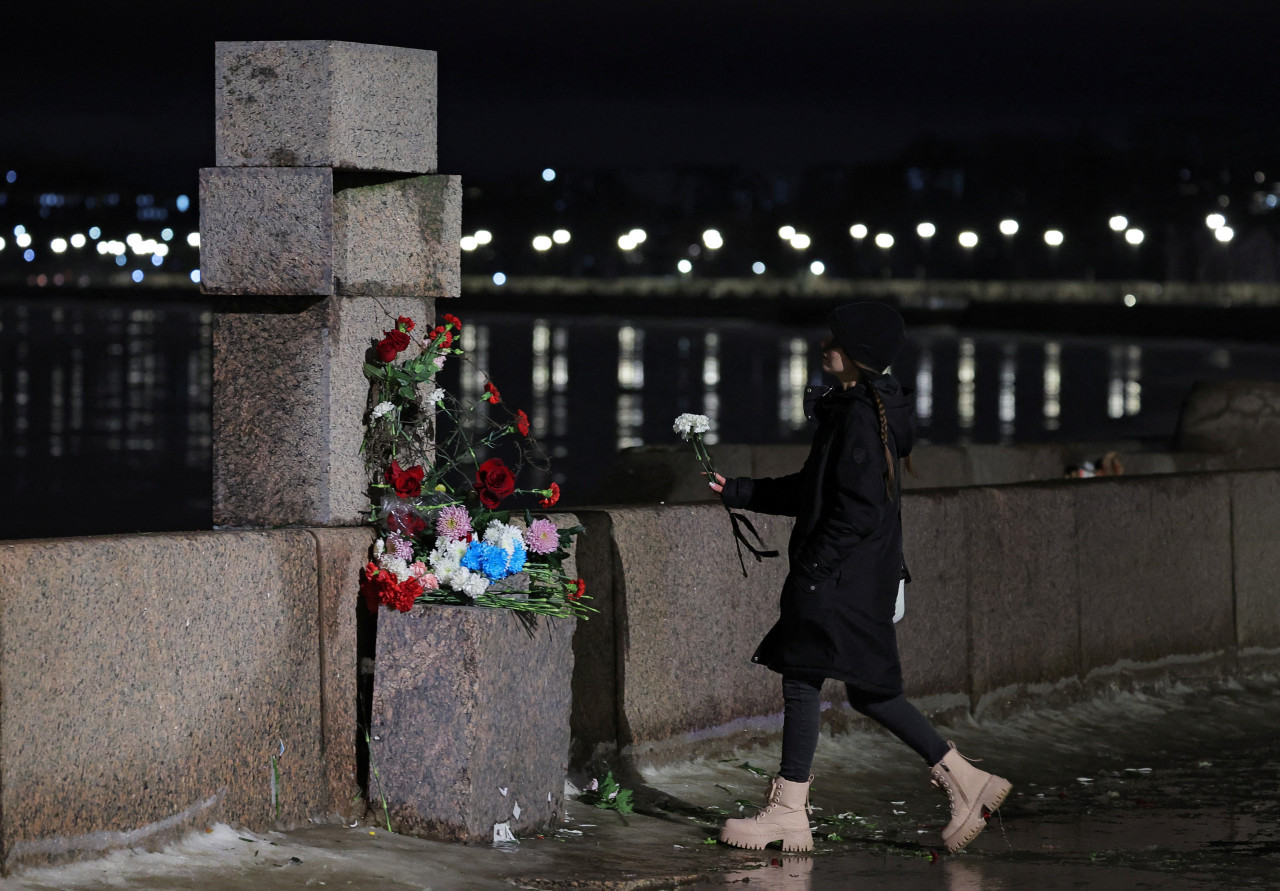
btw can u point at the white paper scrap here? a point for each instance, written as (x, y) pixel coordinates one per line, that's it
(515, 811)
(502, 833)
(503, 790)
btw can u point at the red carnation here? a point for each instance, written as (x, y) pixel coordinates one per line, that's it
(407, 483)
(406, 592)
(522, 422)
(442, 336)
(378, 586)
(581, 589)
(553, 495)
(494, 482)
(452, 320)
(405, 523)
(493, 395)
(404, 323)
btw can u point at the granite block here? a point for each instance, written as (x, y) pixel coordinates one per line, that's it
(1237, 419)
(289, 396)
(398, 237)
(470, 721)
(655, 474)
(1024, 613)
(147, 681)
(684, 610)
(340, 555)
(325, 103)
(933, 636)
(266, 231)
(1255, 531)
(1154, 568)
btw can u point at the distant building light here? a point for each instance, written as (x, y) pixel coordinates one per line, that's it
(548, 175)
(19, 229)
(1130, 300)
(2, 244)
(684, 266)
(858, 231)
(121, 259)
(22, 239)
(95, 233)
(1272, 200)
(145, 200)
(541, 243)
(157, 260)
(182, 204)
(483, 236)
(1008, 227)
(560, 236)
(1134, 236)
(194, 239)
(626, 242)
(817, 267)
(800, 241)
(166, 234)
(638, 235)
(713, 239)
(28, 255)
(78, 240)
(786, 233)
(58, 245)
(1118, 223)
(926, 230)
(884, 240)
(195, 276)
(499, 278)
(1053, 237)
(137, 275)
(757, 267)
(11, 176)
(1224, 234)
(1215, 221)
(968, 239)
(468, 243)
(160, 250)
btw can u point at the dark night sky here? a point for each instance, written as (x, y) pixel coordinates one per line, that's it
(128, 87)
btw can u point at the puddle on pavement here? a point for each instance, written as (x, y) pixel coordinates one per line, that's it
(1131, 790)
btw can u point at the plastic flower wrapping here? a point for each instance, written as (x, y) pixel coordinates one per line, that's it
(443, 477)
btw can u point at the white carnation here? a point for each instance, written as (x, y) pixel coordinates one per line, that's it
(435, 396)
(394, 565)
(381, 409)
(445, 559)
(474, 585)
(690, 425)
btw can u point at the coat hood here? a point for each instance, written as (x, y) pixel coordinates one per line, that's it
(899, 406)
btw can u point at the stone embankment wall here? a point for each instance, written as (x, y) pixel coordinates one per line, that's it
(1018, 591)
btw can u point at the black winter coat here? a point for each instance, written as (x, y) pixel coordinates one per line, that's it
(846, 546)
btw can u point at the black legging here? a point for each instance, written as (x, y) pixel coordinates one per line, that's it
(802, 697)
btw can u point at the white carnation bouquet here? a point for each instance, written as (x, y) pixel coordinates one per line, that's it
(691, 429)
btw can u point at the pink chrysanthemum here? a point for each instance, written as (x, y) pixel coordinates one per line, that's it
(454, 523)
(398, 547)
(542, 537)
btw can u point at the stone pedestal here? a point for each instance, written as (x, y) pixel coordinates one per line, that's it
(289, 395)
(470, 721)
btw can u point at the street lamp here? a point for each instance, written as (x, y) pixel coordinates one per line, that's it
(1134, 236)
(968, 240)
(1009, 227)
(858, 231)
(1224, 234)
(712, 239)
(1053, 237)
(1118, 223)
(926, 230)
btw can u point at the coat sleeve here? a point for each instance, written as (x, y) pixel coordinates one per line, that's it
(770, 495)
(854, 502)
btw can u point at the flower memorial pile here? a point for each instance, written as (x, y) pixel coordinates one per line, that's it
(443, 535)
(691, 429)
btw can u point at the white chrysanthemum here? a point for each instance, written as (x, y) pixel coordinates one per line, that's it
(689, 424)
(394, 565)
(379, 548)
(436, 395)
(381, 409)
(446, 559)
(503, 535)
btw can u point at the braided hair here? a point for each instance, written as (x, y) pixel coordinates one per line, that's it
(891, 465)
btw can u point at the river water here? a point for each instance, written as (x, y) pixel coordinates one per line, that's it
(105, 419)
(1177, 787)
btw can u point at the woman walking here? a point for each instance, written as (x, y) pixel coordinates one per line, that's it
(838, 600)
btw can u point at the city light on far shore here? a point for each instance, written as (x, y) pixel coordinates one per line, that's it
(78, 240)
(926, 230)
(542, 243)
(800, 241)
(561, 236)
(194, 239)
(1009, 227)
(1215, 221)
(1053, 237)
(713, 239)
(685, 267)
(1118, 223)
(817, 267)
(58, 245)
(468, 243)
(1224, 234)
(858, 231)
(758, 268)
(786, 233)
(968, 239)
(1134, 236)
(884, 241)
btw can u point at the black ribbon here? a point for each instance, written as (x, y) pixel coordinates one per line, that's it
(739, 539)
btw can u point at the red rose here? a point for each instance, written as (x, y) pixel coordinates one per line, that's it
(387, 351)
(405, 523)
(577, 595)
(407, 483)
(522, 422)
(493, 395)
(494, 482)
(452, 320)
(404, 323)
(397, 339)
(553, 495)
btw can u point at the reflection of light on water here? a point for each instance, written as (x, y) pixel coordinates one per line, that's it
(1115, 382)
(966, 373)
(630, 384)
(559, 386)
(1132, 383)
(1052, 385)
(471, 377)
(924, 385)
(1008, 406)
(793, 370)
(710, 384)
(540, 376)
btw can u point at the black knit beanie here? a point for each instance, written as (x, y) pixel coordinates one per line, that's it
(869, 333)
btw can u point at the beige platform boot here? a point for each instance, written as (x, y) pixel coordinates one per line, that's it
(974, 795)
(784, 818)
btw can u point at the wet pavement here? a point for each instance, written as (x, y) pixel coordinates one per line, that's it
(1173, 789)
